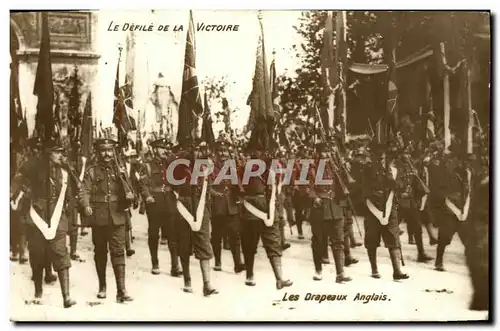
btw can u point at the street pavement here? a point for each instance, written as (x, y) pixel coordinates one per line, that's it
(427, 295)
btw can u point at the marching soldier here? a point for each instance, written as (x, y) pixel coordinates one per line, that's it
(477, 250)
(106, 195)
(300, 198)
(423, 201)
(451, 184)
(281, 207)
(191, 219)
(381, 220)
(257, 223)
(225, 213)
(45, 180)
(326, 218)
(160, 206)
(408, 187)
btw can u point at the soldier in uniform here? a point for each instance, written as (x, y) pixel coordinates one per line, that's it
(477, 250)
(133, 167)
(192, 236)
(45, 180)
(379, 184)
(225, 213)
(423, 203)
(160, 205)
(300, 197)
(327, 217)
(451, 182)
(408, 187)
(256, 194)
(106, 196)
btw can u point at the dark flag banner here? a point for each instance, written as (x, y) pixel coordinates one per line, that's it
(190, 106)
(261, 120)
(207, 132)
(44, 88)
(121, 120)
(87, 130)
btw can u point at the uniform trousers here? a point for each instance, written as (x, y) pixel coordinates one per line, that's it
(110, 237)
(42, 250)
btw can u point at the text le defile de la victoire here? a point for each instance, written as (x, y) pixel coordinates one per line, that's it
(171, 27)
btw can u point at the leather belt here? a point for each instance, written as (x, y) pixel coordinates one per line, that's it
(161, 189)
(106, 198)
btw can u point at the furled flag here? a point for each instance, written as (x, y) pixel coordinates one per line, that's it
(190, 107)
(329, 72)
(261, 119)
(121, 120)
(44, 87)
(87, 130)
(207, 132)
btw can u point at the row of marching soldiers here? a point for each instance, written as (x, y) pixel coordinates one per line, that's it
(443, 188)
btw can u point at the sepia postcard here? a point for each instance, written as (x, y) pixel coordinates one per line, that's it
(250, 165)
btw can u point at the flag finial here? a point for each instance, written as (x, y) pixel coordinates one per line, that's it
(259, 15)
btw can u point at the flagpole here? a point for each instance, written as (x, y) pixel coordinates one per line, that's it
(343, 77)
(446, 106)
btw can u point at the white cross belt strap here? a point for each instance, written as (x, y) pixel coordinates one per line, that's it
(423, 202)
(464, 213)
(272, 206)
(388, 204)
(15, 204)
(50, 232)
(200, 210)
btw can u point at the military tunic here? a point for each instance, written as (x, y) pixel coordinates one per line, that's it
(104, 192)
(189, 241)
(38, 177)
(377, 182)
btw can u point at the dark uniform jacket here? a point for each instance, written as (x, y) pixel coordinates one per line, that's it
(104, 192)
(42, 191)
(153, 182)
(329, 209)
(377, 184)
(224, 196)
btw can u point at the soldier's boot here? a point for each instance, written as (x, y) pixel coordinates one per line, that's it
(422, 257)
(325, 259)
(352, 238)
(249, 262)
(278, 273)
(208, 290)
(100, 267)
(38, 280)
(50, 277)
(395, 254)
(163, 237)
(411, 234)
(186, 273)
(299, 229)
(121, 292)
(430, 232)
(225, 243)
(439, 258)
(22, 249)
(338, 256)
(217, 248)
(347, 251)
(175, 270)
(73, 242)
(318, 267)
(128, 244)
(64, 282)
(372, 257)
(284, 244)
(153, 251)
(480, 298)
(236, 253)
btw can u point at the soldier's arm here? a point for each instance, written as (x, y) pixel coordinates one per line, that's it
(86, 190)
(144, 182)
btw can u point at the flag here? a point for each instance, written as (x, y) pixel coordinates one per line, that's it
(274, 90)
(339, 120)
(127, 89)
(392, 97)
(44, 88)
(261, 119)
(121, 120)
(430, 132)
(86, 135)
(190, 105)
(329, 72)
(207, 132)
